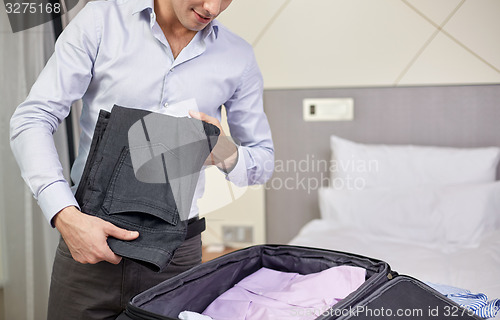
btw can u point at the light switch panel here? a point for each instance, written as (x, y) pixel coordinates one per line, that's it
(331, 109)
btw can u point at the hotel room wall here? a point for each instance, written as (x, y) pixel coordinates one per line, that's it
(344, 43)
(455, 116)
(358, 43)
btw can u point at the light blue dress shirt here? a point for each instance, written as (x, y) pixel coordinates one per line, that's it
(114, 52)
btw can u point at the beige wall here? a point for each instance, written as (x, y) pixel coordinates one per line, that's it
(343, 43)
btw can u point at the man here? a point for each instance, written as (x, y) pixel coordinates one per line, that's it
(138, 54)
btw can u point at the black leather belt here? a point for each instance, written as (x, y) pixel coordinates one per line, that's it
(195, 227)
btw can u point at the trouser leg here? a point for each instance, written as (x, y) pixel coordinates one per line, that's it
(101, 291)
(83, 291)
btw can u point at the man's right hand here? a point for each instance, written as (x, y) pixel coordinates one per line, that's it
(86, 236)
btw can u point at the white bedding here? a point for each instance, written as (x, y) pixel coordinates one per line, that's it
(476, 269)
(432, 213)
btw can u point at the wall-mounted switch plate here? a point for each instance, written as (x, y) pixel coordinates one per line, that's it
(237, 234)
(332, 109)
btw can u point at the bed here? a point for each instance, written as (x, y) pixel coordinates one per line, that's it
(450, 120)
(430, 212)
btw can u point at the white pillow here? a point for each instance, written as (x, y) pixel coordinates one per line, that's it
(403, 214)
(469, 211)
(448, 217)
(359, 166)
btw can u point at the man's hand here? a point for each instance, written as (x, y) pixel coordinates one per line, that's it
(86, 236)
(225, 153)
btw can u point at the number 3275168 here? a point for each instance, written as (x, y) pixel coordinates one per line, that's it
(33, 8)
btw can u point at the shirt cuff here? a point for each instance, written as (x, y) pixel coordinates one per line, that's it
(54, 198)
(238, 175)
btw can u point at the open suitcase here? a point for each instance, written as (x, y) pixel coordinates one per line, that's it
(383, 295)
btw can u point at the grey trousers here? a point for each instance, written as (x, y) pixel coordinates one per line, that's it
(101, 291)
(152, 194)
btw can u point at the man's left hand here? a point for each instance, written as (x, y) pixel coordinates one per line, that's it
(225, 153)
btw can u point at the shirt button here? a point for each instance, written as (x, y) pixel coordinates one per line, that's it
(166, 104)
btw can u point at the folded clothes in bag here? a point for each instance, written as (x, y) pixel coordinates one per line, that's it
(197, 288)
(269, 294)
(383, 295)
(141, 174)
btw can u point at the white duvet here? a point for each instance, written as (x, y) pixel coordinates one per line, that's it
(476, 269)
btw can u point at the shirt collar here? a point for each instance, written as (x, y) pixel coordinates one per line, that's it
(141, 5)
(212, 29)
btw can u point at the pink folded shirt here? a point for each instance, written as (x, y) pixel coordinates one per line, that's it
(276, 295)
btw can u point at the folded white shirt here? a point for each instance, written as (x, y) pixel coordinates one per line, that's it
(189, 315)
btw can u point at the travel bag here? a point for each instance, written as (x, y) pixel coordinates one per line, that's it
(383, 295)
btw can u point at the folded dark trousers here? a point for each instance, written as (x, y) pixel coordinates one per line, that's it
(141, 174)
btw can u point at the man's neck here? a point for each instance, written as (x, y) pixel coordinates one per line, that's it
(177, 35)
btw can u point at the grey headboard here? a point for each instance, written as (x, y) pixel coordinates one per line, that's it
(456, 116)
